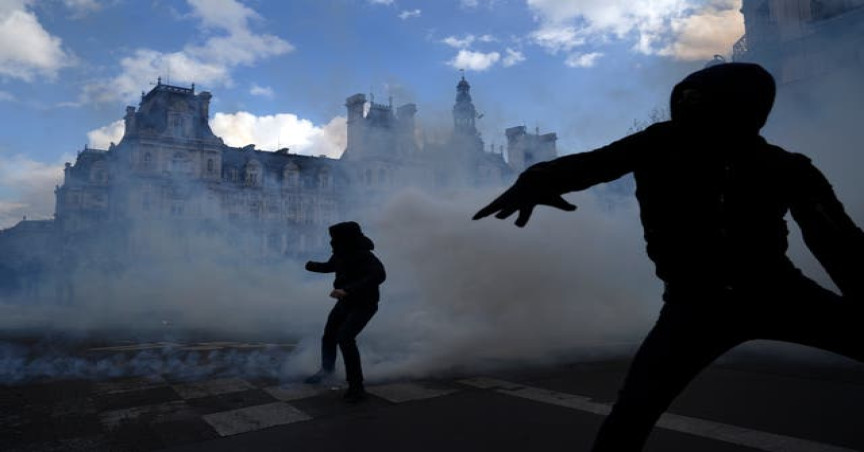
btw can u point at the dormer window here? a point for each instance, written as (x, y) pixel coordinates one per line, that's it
(177, 126)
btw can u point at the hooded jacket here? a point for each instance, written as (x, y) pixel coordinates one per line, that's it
(358, 271)
(713, 193)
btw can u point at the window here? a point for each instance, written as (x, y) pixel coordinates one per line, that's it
(252, 176)
(324, 179)
(180, 163)
(148, 159)
(210, 166)
(291, 176)
(178, 126)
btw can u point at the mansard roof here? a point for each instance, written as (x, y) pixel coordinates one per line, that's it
(275, 161)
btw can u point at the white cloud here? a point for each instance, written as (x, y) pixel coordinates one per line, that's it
(27, 50)
(710, 32)
(6, 96)
(28, 189)
(409, 14)
(459, 43)
(582, 59)
(512, 57)
(555, 38)
(467, 40)
(281, 130)
(81, 8)
(102, 137)
(210, 63)
(474, 61)
(265, 91)
(684, 29)
(228, 15)
(469, 4)
(381, 2)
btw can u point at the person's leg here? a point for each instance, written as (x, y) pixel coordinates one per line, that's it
(814, 316)
(683, 342)
(355, 321)
(329, 341)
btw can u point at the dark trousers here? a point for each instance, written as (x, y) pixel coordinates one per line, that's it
(692, 333)
(345, 322)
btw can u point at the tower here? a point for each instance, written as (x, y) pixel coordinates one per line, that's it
(525, 149)
(355, 105)
(464, 112)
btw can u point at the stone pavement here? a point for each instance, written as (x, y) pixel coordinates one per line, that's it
(543, 408)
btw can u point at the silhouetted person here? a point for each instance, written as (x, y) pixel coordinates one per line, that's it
(713, 195)
(358, 275)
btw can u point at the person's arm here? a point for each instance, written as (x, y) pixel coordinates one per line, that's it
(372, 275)
(832, 237)
(544, 183)
(321, 267)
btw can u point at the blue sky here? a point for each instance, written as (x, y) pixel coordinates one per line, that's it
(281, 70)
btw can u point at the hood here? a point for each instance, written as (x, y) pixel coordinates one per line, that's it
(348, 236)
(733, 98)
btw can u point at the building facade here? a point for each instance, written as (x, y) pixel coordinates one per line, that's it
(798, 40)
(171, 187)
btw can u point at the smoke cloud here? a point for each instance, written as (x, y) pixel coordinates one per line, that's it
(459, 295)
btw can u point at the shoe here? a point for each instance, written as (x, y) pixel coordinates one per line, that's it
(355, 394)
(318, 377)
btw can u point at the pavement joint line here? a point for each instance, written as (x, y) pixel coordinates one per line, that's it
(718, 431)
(243, 420)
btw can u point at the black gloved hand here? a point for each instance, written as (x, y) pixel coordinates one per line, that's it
(309, 265)
(528, 192)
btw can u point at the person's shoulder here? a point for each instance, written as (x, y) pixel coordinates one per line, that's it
(658, 130)
(795, 159)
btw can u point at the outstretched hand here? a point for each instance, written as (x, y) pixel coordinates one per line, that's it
(523, 196)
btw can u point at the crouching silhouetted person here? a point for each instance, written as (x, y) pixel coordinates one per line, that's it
(358, 275)
(713, 195)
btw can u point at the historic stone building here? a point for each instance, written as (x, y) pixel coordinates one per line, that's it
(798, 40)
(171, 187)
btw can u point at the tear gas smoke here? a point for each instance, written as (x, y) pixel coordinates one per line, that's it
(460, 294)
